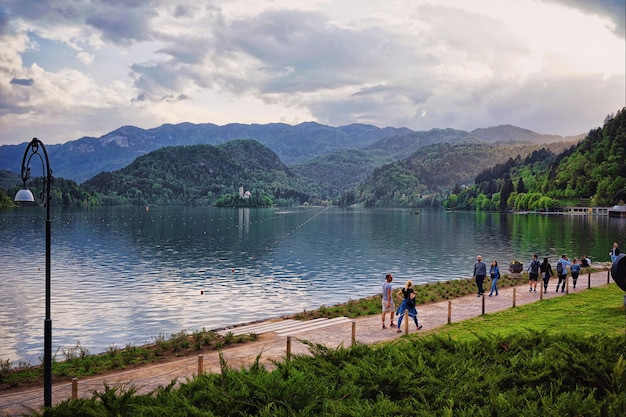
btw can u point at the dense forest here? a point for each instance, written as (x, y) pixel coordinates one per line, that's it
(591, 173)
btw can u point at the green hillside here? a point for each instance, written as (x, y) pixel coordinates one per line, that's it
(432, 172)
(199, 175)
(341, 171)
(593, 172)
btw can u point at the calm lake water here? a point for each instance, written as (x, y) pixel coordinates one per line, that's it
(125, 275)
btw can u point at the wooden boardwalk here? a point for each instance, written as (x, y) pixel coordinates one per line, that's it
(286, 327)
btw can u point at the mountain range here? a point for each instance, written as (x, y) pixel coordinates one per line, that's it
(366, 146)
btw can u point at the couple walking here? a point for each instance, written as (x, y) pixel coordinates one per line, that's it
(480, 272)
(408, 303)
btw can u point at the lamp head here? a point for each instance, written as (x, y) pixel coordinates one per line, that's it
(24, 195)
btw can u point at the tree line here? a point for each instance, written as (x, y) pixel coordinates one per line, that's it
(592, 173)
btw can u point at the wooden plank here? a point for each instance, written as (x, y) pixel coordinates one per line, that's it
(256, 328)
(316, 326)
(267, 327)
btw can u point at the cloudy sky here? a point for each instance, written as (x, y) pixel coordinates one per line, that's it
(73, 68)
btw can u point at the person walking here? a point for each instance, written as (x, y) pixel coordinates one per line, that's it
(546, 270)
(408, 304)
(494, 271)
(614, 252)
(388, 305)
(575, 271)
(480, 270)
(561, 271)
(533, 273)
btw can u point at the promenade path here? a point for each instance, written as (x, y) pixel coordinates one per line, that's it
(272, 346)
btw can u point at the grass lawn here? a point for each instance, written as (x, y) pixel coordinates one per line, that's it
(587, 313)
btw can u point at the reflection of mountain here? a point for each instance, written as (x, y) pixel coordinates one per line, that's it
(203, 237)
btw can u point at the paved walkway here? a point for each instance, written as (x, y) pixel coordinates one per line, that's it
(272, 345)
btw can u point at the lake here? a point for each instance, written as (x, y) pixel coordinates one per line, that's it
(125, 275)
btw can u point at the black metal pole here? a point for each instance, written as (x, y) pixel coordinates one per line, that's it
(33, 147)
(47, 350)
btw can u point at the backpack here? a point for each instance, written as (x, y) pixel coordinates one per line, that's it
(559, 268)
(534, 267)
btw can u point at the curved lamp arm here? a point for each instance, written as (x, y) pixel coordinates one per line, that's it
(35, 147)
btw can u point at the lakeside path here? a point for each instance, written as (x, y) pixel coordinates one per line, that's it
(270, 346)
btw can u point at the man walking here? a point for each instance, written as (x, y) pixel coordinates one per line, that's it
(480, 270)
(561, 271)
(533, 273)
(388, 304)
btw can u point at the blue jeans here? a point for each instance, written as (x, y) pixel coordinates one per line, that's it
(494, 286)
(412, 314)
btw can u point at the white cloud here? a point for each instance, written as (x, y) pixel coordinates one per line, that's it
(70, 69)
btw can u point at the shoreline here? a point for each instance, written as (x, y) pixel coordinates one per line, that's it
(428, 293)
(270, 347)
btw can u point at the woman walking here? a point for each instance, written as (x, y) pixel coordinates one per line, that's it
(408, 304)
(494, 271)
(575, 271)
(546, 269)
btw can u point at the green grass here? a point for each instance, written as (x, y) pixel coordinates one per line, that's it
(590, 312)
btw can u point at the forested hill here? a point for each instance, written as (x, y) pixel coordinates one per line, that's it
(341, 171)
(432, 172)
(199, 175)
(592, 172)
(595, 168)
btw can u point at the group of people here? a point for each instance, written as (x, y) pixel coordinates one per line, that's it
(480, 272)
(545, 269)
(407, 294)
(534, 269)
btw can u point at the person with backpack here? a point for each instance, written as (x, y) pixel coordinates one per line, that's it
(561, 271)
(546, 270)
(533, 273)
(408, 304)
(575, 271)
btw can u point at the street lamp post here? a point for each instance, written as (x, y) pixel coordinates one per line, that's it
(36, 147)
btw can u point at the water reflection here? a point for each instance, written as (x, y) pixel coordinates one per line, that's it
(126, 275)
